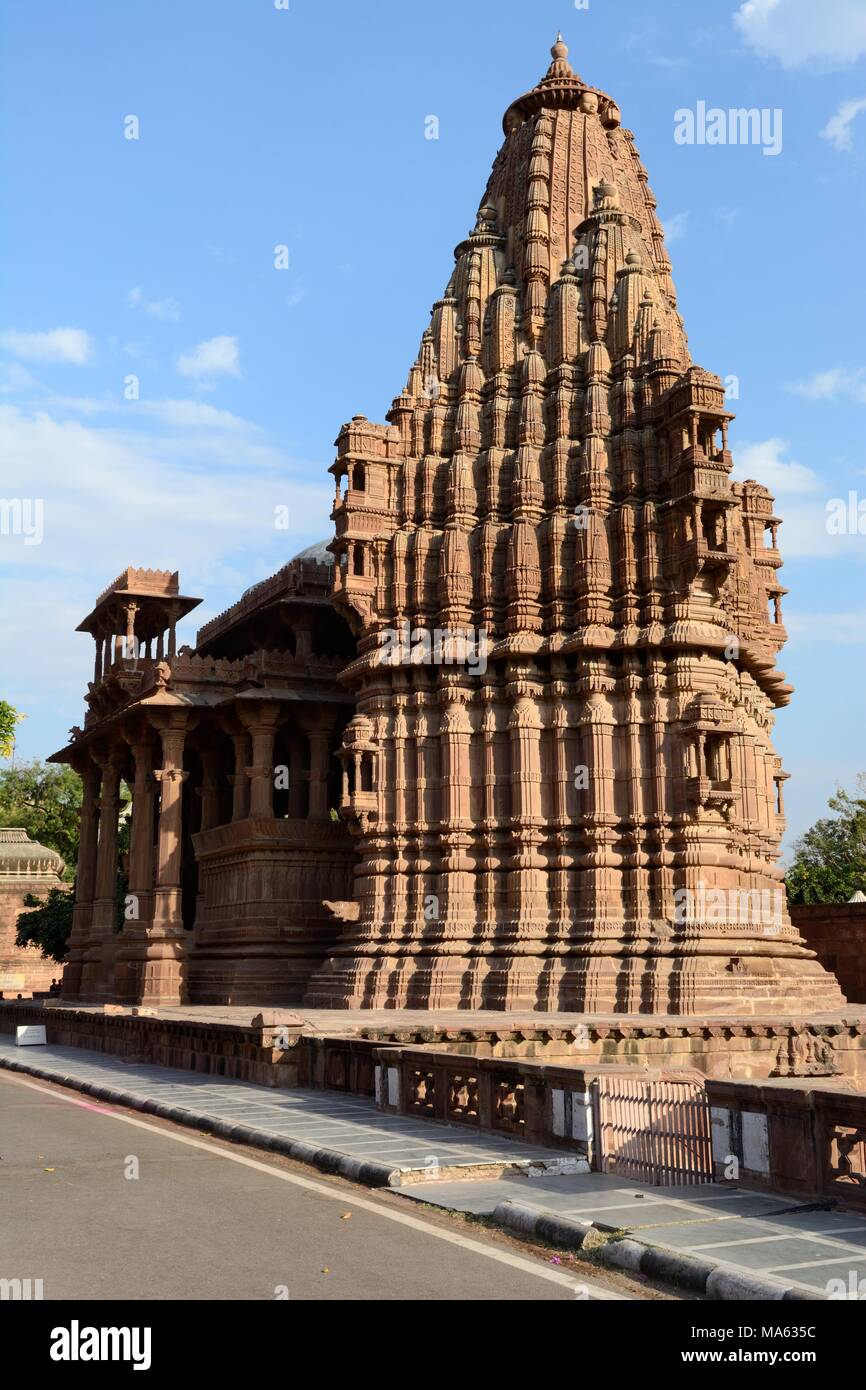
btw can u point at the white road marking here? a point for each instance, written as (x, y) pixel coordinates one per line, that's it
(596, 1291)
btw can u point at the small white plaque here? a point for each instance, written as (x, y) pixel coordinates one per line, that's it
(756, 1143)
(30, 1034)
(581, 1116)
(720, 1120)
(557, 1098)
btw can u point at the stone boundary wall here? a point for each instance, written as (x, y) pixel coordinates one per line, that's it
(539, 1103)
(797, 1137)
(267, 1054)
(837, 933)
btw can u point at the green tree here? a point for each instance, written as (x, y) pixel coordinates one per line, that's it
(48, 923)
(9, 719)
(46, 801)
(829, 863)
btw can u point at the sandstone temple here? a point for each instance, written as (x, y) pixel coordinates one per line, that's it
(503, 741)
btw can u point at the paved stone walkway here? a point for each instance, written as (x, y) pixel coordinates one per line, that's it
(348, 1124)
(746, 1231)
(742, 1230)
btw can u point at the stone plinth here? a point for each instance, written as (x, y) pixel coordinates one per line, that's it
(261, 927)
(336, 1048)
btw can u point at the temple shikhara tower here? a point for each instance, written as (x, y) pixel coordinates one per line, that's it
(505, 741)
(555, 833)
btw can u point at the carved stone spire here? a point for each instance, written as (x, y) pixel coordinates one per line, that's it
(569, 491)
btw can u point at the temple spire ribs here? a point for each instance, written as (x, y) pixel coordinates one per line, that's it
(587, 819)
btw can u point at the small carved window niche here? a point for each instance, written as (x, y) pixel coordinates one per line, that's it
(707, 729)
(359, 756)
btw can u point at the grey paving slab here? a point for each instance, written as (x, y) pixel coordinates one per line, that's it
(781, 1252)
(817, 1277)
(751, 1232)
(349, 1124)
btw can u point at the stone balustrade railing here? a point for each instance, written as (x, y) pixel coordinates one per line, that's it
(802, 1137)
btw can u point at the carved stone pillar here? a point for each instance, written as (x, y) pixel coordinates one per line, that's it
(527, 886)
(209, 789)
(458, 879)
(261, 722)
(141, 833)
(297, 777)
(319, 729)
(238, 779)
(565, 778)
(130, 649)
(85, 880)
(94, 981)
(171, 778)
(131, 949)
(320, 760)
(173, 615)
(166, 944)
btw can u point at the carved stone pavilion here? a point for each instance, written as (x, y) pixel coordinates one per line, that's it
(542, 830)
(26, 869)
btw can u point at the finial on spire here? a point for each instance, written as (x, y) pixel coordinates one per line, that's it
(560, 67)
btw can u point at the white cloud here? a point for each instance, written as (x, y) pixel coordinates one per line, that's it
(167, 309)
(190, 414)
(180, 413)
(215, 357)
(202, 500)
(14, 378)
(837, 383)
(803, 500)
(842, 629)
(56, 345)
(126, 495)
(838, 128)
(675, 227)
(799, 32)
(763, 461)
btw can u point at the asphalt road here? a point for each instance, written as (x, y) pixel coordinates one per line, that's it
(205, 1220)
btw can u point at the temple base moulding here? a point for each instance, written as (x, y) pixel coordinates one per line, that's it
(285, 1047)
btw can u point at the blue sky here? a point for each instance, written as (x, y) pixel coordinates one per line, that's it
(305, 127)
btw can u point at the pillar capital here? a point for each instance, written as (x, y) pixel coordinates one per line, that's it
(89, 771)
(261, 722)
(173, 725)
(165, 775)
(318, 719)
(258, 716)
(172, 718)
(109, 759)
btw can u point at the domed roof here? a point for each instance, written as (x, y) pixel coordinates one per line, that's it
(22, 857)
(318, 552)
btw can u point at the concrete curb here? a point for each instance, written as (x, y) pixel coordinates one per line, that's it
(360, 1170)
(692, 1272)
